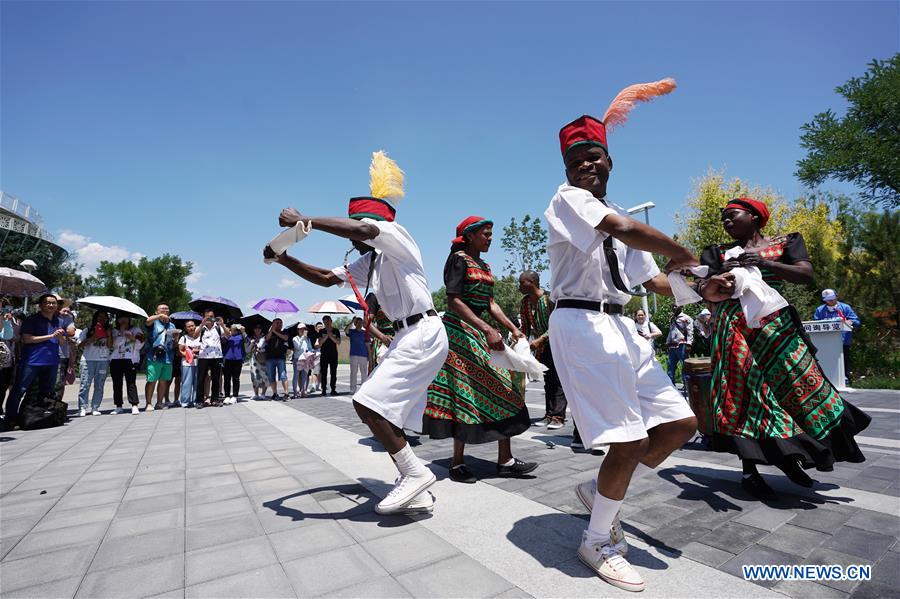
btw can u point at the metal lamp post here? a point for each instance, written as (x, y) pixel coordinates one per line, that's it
(645, 208)
(29, 265)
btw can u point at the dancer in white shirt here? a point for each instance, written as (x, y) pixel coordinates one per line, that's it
(394, 396)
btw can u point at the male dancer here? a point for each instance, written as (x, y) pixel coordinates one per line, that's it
(394, 396)
(618, 393)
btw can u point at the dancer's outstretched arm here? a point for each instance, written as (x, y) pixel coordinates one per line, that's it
(314, 274)
(347, 228)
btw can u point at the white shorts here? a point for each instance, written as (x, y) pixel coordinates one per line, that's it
(398, 387)
(616, 389)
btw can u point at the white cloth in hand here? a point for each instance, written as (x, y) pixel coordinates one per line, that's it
(517, 358)
(758, 300)
(288, 237)
(683, 293)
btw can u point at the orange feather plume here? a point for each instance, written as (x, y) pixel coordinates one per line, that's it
(627, 99)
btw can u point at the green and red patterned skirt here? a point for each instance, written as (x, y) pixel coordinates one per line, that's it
(470, 399)
(770, 399)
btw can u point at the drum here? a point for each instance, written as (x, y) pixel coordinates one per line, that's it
(698, 382)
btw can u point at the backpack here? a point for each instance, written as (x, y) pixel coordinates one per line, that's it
(42, 412)
(6, 358)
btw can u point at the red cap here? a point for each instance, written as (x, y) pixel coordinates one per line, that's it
(753, 207)
(366, 207)
(583, 130)
(468, 225)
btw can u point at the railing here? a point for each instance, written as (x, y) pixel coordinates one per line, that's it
(31, 223)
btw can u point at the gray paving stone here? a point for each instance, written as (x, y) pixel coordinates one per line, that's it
(862, 543)
(215, 494)
(126, 551)
(142, 579)
(82, 486)
(384, 587)
(196, 472)
(81, 500)
(19, 526)
(147, 505)
(795, 540)
(319, 537)
(214, 480)
(873, 590)
(332, 570)
(217, 511)
(263, 474)
(33, 570)
(885, 524)
(825, 556)
(224, 560)
(154, 489)
(824, 519)
(658, 515)
(370, 526)
(220, 532)
(287, 484)
(460, 576)
(65, 587)
(65, 518)
(410, 549)
(257, 465)
(269, 581)
(705, 554)
(756, 555)
(765, 517)
(144, 523)
(733, 537)
(26, 508)
(42, 542)
(807, 590)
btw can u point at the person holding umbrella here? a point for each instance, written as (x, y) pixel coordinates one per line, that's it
(327, 344)
(209, 372)
(393, 397)
(276, 352)
(256, 344)
(121, 364)
(95, 342)
(189, 348)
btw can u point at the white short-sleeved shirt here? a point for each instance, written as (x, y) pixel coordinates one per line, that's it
(94, 350)
(210, 343)
(398, 278)
(122, 348)
(577, 263)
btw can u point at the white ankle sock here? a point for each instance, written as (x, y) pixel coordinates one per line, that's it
(407, 462)
(510, 462)
(602, 515)
(641, 471)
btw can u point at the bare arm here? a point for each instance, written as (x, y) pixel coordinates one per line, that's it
(644, 237)
(500, 317)
(457, 306)
(659, 284)
(314, 274)
(801, 272)
(347, 228)
(375, 333)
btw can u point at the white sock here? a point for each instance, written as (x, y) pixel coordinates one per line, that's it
(510, 462)
(407, 462)
(641, 471)
(602, 515)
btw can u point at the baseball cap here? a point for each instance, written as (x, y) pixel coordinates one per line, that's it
(828, 294)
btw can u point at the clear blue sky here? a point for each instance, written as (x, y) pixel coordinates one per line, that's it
(144, 128)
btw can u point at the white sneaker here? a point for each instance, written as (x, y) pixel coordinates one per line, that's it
(554, 425)
(586, 492)
(423, 503)
(609, 565)
(149, 408)
(404, 492)
(96, 413)
(135, 410)
(82, 412)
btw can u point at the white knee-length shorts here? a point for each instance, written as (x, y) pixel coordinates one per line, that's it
(398, 387)
(616, 390)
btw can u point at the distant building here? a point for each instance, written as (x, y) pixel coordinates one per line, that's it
(22, 235)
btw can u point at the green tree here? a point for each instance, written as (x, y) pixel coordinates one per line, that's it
(148, 282)
(863, 147)
(525, 244)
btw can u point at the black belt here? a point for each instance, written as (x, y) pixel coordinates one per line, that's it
(589, 305)
(411, 320)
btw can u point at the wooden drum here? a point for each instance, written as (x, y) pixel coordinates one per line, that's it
(698, 382)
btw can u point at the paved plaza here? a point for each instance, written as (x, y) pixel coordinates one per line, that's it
(272, 499)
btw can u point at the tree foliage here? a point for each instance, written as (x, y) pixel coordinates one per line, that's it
(525, 244)
(863, 147)
(147, 282)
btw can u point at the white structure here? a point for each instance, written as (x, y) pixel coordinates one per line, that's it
(827, 336)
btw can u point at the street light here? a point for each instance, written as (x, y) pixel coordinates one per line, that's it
(29, 265)
(645, 208)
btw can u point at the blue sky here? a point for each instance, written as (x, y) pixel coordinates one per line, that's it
(139, 128)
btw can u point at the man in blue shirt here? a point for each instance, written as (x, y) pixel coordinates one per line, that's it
(359, 353)
(831, 309)
(40, 337)
(159, 358)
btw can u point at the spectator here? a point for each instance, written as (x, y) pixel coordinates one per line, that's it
(256, 345)
(276, 352)
(328, 354)
(680, 339)
(95, 342)
(121, 364)
(301, 358)
(645, 328)
(359, 353)
(67, 348)
(703, 327)
(233, 362)
(189, 348)
(209, 367)
(40, 337)
(832, 308)
(159, 356)
(8, 337)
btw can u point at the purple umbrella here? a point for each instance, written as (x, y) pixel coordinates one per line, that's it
(276, 305)
(223, 307)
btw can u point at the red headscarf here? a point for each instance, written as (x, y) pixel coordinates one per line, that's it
(468, 225)
(753, 207)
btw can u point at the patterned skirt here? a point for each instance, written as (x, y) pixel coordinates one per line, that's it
(470, 399)
(770, 399)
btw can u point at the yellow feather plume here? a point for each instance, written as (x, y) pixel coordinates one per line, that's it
(385, 178)
(627, 99)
